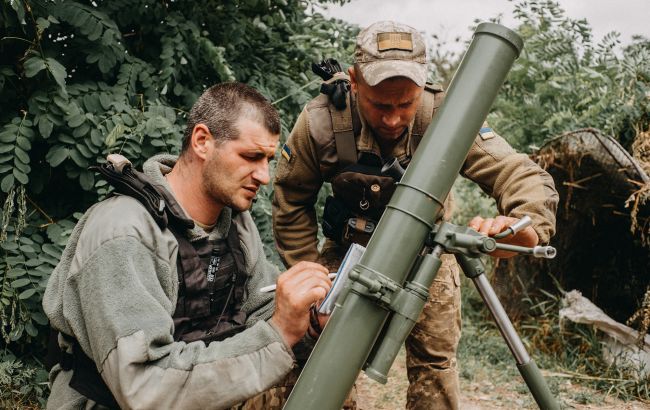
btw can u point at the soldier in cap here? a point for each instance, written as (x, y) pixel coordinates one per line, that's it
(386, 113)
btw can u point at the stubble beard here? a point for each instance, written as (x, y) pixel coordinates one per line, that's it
(213, 185)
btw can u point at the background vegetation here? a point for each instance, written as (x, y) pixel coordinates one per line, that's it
(565, 80)
(81, 79)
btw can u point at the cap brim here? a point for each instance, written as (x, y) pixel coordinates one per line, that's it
(377, 71)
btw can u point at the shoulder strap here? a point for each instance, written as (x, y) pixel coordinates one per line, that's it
(344, 135)
(157, 201)
(431, 100)
(185, 260)
(240, 292)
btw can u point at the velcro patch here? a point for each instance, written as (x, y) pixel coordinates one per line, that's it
(286, 152)
(486, 133)
(394, 41)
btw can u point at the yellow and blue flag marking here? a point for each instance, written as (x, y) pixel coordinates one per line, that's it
(286, 152)
(486, 132)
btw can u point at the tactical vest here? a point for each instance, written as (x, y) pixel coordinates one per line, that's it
(211, 288)
(360, 190)
(211, 280)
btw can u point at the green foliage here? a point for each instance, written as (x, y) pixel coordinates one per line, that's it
(82, 79)
(470, 201)
(564, 81)
(21, 384)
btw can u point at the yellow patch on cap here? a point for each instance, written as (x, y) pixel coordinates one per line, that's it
(394, 41)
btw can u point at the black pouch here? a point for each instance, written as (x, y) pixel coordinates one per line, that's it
(363, 190)
(335, 217)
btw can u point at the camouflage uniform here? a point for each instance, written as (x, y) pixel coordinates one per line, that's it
(276, 397)
(272, 399)
(310, 158)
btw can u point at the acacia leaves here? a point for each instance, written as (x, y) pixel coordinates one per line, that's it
(27, 264)
(82, 79)
(565, 80)
(103, 37)
(15, 144)
(35, 64)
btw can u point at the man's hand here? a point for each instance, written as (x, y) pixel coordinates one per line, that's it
(305, 284)
(492, 226)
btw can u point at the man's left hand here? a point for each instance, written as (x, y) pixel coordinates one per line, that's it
(491, 226)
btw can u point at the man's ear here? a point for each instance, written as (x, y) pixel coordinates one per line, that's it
(201, 141)
(353, 79)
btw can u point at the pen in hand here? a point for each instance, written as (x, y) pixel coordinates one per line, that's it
(271, 288)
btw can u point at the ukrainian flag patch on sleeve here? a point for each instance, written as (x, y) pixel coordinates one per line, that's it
(286, 152)
(486, 133)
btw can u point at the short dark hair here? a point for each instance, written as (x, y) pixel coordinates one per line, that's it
(222, 105)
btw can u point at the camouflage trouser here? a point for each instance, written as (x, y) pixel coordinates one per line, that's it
(272, 399)
(276, 397)
(431, 346)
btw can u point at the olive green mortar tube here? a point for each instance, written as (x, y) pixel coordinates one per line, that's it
(356, 322)
(537, 386)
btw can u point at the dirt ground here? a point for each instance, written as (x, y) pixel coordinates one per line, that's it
(486, 392)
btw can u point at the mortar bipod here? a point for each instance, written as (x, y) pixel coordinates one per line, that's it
(468, 245)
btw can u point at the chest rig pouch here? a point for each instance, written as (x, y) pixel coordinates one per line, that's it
(361, 192)
(211, 278)
(211, 290)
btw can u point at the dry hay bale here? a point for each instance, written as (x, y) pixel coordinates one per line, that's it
(597, 252)
(641, 150)
(641, 197)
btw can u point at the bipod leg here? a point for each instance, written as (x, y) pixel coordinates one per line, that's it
(474, 269)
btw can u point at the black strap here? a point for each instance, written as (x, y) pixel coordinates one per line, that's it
(85, 377)
(336, 84)
(155, 199)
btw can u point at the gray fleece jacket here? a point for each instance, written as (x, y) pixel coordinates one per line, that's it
(115, 291)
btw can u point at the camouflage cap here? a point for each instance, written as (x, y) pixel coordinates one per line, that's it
(388, 49)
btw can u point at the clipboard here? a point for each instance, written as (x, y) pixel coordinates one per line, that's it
(351, 258)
